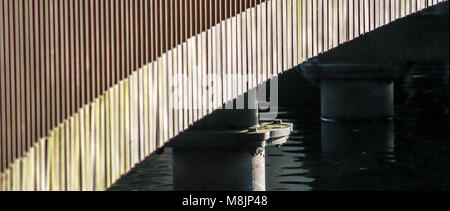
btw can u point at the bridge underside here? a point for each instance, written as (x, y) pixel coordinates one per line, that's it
(90, 89)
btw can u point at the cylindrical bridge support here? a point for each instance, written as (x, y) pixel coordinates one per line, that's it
(355, 92)
(225, 151)
(219, 169)
(357, 99)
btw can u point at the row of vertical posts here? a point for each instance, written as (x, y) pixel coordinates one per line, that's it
(59, 55)
(89, 88)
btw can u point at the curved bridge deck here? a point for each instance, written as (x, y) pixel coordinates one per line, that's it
(88, 89)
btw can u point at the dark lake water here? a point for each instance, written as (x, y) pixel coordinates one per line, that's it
(409, 153)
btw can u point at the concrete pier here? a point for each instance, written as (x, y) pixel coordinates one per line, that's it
(219, 169)
(226, 151)
(355, 92)
(357, 99)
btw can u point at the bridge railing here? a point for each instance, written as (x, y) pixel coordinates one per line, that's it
(89, 88)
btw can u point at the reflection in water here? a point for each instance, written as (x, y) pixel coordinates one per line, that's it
(357, 137)
(409, 153)
(337, 160)
(285, 165)
(351, 152)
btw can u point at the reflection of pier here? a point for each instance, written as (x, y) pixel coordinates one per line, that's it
(352, 151)
(347, 151)
(362, 137)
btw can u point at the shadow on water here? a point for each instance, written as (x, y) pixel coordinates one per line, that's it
(154, 174)
(409, 153)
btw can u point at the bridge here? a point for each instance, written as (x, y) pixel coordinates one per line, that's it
(90, 88)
